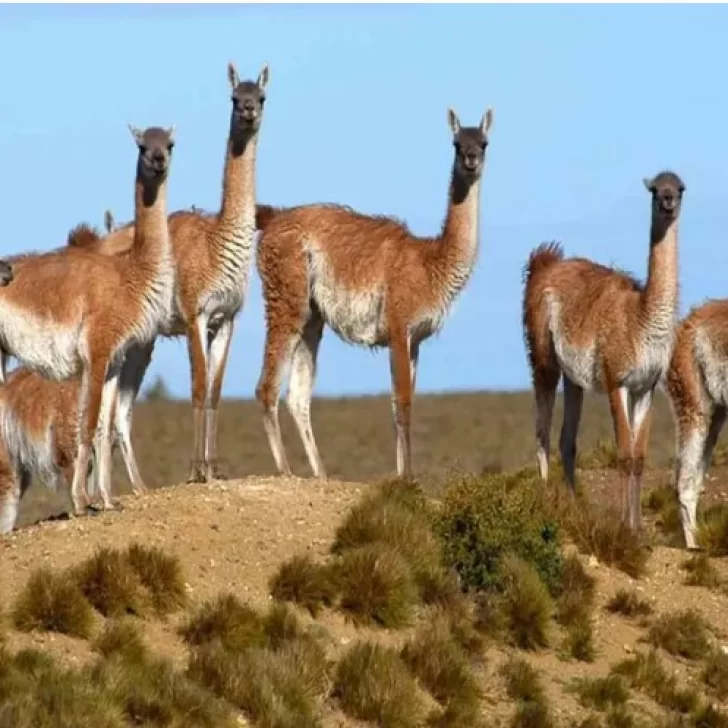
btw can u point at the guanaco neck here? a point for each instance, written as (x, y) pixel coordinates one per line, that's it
(659, 300)
(237, 210)
(151, 246)
(451, 267)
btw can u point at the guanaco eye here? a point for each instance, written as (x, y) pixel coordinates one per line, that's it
(142, 149)
(235, 101)
(170, 146)
(484, 145)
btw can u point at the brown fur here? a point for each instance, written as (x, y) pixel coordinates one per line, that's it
(328, 264)
(82, 236)
(205, 265)
(611, 333)
(100, 298)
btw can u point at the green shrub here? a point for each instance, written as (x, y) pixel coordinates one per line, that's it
(485, 518)
(302, 581)
(683, 633)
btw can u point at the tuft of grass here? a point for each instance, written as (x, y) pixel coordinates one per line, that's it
(602, 692)
(713, 530)
(647, 674)
(372, 683)
(162, 576)
(708, 716)
(683, 633)
(376, 586)
(526, 604)
(122, 638)
(302, 581)
(111, 585)
(701, 572)
(579, 641)
(663, 502)
(531, 715)
(715, 674)
(441, 665)
(576, 599)
(629, 604)
(227, 620)
(485, 518)
(52, 602)
(522, 681)
(281, 625)
(602, 456)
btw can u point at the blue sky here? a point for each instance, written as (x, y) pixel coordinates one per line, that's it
(588, 99)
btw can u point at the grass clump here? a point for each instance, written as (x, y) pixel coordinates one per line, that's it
(161, 575)
(602, 692)
(701, 572)
(302, 581)
(53, 603)
(663, 503)
(110, 583)
(579, 641)
(713, 530)
(372, 683)
(442, 666)
(602, 456)
(574, 608)
(122, 638)
(526, 604)
(485, 518)
(227, 620)
(715, 674)
(523, 685)
(629, 604)
(647, 674)
(376, 586)
(683, 633)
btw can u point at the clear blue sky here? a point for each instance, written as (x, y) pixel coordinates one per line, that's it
(588, 101)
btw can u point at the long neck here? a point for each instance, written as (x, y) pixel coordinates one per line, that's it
(151, 237)
(237, 210)
(659, 301)
(454, 260)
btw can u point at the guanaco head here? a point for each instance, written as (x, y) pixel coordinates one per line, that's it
(248, 98)
(667, 191)
(6, 272)
(155, 151)
(470, 143)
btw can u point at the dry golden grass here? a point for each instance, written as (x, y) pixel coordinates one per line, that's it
(227, 620)
(683, 633)
(701, 572)
(526, 604)
(110, 584)
(713, 530)
(377, 586)
(715, 674)
(161, 574)
(628, 603)
(121, 638)
(602, 692)
(302, 581)
(372, 683)
(523, 685)
(52, 602)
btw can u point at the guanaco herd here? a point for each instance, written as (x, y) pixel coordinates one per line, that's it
(82, 321)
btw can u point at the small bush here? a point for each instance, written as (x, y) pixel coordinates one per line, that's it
(302, 581)
(715, 674)
(441, 664)
(376, 586)
(522, 681)
(372, 683)
(121, 638)
(663, 502)
(701, 572)
(162, 576)
(484, 518)
(526, 604)
(235, 625)
(531, 715)
(646, 673)
(579, 641)
(683, 633)
(602, 456)
(51, 602)
(629, 604)
(110, 584)
(280, 625)
(713, 530)
(576, 599)
(603, 692)
(490, 619)
(707, 716)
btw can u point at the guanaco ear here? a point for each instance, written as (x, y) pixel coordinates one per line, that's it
(263, 77)
(452, 119)
(138, 134)
(108, 221)
(170, 134)
(649, 184)
(233, 76)
(487, 120)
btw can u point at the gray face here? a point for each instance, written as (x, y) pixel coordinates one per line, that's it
(6, 273)
(470, 145)
(155, 151)
(667, 191)
(248, 98)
